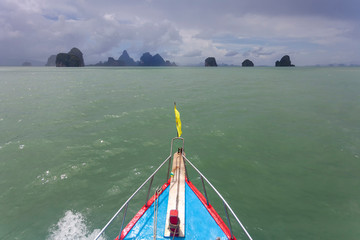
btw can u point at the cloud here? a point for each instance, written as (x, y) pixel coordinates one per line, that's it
(96, 35)
(231, 53)
(257, 52)
(194, 53)
(228, 30)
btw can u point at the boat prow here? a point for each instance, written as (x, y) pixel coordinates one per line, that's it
(177, 210)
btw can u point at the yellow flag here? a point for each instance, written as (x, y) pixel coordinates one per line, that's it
(178, 121)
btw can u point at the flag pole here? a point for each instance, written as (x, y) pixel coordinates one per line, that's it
(177, 133)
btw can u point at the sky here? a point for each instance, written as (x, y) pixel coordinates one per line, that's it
(311, 32)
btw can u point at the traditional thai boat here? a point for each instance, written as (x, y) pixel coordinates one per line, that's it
(177, 210)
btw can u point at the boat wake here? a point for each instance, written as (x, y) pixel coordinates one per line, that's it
(72, 226)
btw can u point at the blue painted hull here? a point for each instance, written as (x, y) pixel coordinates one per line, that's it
(181, 208)
(199, 222)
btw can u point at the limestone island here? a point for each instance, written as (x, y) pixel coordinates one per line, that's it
(247, 63)
(284, 62)
(146, 60)
(210, 62)
(74, 58)
(51, 61)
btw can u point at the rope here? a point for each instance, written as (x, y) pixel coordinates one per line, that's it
(176, 231)
(178, 182)
(156, 208)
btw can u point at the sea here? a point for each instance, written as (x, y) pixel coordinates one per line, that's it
(281, 145)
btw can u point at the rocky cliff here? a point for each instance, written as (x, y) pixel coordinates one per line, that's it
(126, 60)
(284, 62)
(51, 61)
(247, 63)
(210, 62)
(74, 58)
(146, 60)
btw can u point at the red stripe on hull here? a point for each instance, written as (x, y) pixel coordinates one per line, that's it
(201, 197)
(211, 210)
(136, 218)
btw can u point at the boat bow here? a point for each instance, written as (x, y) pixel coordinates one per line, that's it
(177, 210)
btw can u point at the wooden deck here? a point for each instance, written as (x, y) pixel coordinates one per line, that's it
(177, 194)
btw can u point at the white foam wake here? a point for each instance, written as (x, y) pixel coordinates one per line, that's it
(70, 227)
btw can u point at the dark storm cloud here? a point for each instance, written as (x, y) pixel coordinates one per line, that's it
(185, 31)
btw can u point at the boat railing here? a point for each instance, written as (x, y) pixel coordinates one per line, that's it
(226, 205)
(131, 197)
(151, 178)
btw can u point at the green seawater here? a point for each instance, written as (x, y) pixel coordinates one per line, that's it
(282, 145)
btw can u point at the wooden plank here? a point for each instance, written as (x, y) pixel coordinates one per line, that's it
(177, 194)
